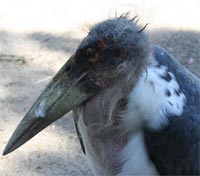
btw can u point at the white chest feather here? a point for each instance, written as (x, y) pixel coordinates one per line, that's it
(135, 158)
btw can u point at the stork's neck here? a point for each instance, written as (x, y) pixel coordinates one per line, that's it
(108, 145)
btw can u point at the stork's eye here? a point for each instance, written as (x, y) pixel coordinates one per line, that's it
(90, 52)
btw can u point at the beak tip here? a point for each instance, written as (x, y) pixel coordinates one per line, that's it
(6, 151)
(10, 147)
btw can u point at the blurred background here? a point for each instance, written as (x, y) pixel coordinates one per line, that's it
(36, 39)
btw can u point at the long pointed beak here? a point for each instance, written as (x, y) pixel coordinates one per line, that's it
(61, 95)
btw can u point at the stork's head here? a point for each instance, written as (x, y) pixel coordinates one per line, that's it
(113, 51)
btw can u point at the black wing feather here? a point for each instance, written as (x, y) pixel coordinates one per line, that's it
(175, 150)
(80, 138)
(75, 116)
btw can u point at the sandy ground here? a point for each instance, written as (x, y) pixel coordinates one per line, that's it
(37, 37)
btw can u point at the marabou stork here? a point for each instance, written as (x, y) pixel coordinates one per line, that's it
(136, 109)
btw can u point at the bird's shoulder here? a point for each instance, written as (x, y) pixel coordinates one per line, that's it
(174, 149)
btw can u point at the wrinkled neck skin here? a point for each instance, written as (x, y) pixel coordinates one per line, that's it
(99, 124)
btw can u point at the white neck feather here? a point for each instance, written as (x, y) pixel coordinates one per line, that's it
(155, 96)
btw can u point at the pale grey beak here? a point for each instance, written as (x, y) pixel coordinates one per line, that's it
(63, 93)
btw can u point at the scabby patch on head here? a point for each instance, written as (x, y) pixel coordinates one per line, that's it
(102, 44)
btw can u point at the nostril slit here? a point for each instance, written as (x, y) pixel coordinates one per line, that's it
(68, 67)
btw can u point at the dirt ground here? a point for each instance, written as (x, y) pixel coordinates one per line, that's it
(36, 39)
